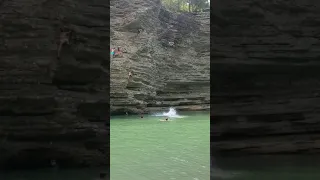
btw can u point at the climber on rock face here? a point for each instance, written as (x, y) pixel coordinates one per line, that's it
(64, 38)
(139, 32)
(171, 44)
(129, 75)
(118, 52)
(112, 52)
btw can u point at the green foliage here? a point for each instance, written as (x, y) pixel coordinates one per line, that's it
(186, 5)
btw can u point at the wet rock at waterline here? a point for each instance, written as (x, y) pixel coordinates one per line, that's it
(165, 74)
(42, 99)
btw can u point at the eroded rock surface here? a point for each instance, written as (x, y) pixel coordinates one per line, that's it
(265, 86)
(53, 110)
(163, 76)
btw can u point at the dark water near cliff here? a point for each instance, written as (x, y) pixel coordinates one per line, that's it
(289, 167)
(54, 174)
(147, 149)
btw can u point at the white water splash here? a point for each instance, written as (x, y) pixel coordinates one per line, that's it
(172, 113)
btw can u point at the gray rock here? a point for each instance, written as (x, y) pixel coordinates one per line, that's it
(176, 76)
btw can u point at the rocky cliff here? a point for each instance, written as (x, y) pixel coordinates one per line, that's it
(265, 77)
(163, 75)
(50, 110)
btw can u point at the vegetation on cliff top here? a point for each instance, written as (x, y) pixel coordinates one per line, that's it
(186, 5)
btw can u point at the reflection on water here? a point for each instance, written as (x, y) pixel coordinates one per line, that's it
(267, 168)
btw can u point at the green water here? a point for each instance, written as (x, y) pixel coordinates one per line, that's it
(289, 167)
(147, 149)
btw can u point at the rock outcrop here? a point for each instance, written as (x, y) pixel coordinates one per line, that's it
(163, 75)
(265, 77)
(50, 110)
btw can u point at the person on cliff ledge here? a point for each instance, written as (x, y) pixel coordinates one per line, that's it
(139, 32)
(64, 38)
(118, 52)
(112, 52)
(129, 75)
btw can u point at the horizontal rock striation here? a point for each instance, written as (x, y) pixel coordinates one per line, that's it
(163, 76)
(265, 77)
(53, 110)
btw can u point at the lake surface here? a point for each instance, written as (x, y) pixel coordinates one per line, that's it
(147, 149)
(275, 167)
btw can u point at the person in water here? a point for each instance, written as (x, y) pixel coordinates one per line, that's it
(165, 120)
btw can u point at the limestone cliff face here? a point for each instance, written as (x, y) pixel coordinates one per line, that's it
(265, 86)
(163, 76)
(50, 109)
